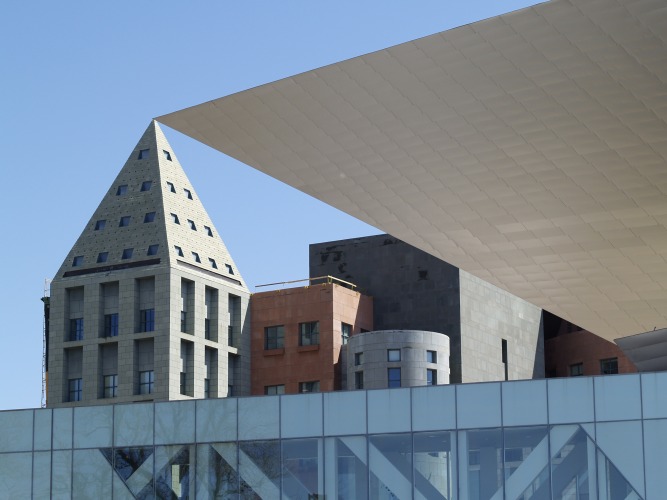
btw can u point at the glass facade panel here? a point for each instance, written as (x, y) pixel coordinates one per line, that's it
(346, 472)
(572, 463)
(172, 477)
(526, 462)
(260, 469)
(480, 464)
(435, 465)
(390, 463)
(302, 468)
(216, 471)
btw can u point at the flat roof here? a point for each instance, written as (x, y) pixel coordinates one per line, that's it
(528, 149)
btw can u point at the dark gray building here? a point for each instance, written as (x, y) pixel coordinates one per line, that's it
(493, 334)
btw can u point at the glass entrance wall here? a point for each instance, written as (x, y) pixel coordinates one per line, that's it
(571, 439)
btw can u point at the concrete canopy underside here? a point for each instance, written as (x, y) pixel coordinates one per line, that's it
(528, 149)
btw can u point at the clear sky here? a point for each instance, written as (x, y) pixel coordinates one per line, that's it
(81, 80)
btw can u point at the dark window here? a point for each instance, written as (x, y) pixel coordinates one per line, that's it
(274, 337)
(110, 386)
(577, 370)
(195, 256)
(143, 153)
(309, 333)
(394, 377)
(77, 261)
(102, 257)
(184, 322)
(358, 358)
(431, 357)
(124, 221)
(188, 193)
(179, 250)
(207, 328)
(152, 249)
(208, 230)
(171, 187)
(100, 224)
(229, 269)
(184, 379)
(207, 388)
(111, 325)
(358, 380)
(127, 253)
(149, 217)
(431, 377)
(147, 320)
(393, 354)
(174, 217)
(504, 357)
(75, 386)
(192, 225)
(76, 329)
(272, 390)
(146, 185)
(167, 155)
(609, 366)
(213, 263)
(146, 382)
(313, 386)
(346, 331)
(122, 189)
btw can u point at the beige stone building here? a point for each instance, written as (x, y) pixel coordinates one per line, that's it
(148, 305)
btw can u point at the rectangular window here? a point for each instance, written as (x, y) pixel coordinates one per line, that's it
(358, 358)
(609, 366)
(192, 225)
(184, 322)
(174, 218)
(146, 185)
(346, 331)
(143, 153)
(166, 154)
(127, 253)
(152, 249)
(100, 224)
(102, 257)
(393, 377)
(207, 388)
(149, 217)
(273, 390)
(309, 333)
(313, 386)
(504, 358)
(431, 377)
(431, 357)
(110, 386)
(195, 256)
(208, 230)
(124, 221)
(358, 380)
(274, 337)
(146, 382)
(179, 250)
(76, 329)
(184, 379)
(171, 187)
(122, 189)
(214, 265)
(207, 328)
(147, 320)
(393, 354)
(577, 370)
(188, 193)
(77, 261)
(111, 325)
(75, 386)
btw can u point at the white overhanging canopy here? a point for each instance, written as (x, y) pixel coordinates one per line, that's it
(528, 149)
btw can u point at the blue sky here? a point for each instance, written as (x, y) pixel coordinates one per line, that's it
(82, 80)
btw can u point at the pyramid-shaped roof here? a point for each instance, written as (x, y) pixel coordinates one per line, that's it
(151, 215)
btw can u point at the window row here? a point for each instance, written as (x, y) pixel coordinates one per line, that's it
(309, 334)
(110, 325)
(146, 385)
(394, 355)
(124, 221)
(304, 388)
(144, 154)
(122, 189)
(195, 257)
(126, 254)
(608, 366)
(186, 191)
(191, 224)
(394, 378)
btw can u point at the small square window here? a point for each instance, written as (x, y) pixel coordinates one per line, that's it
(102, 257)
(100, 224)
(274, 390)
(144, 153)
(149, 217)
(213, 263)
(358, 358)
(152, 249)
(609, 366)
(309, 333)
(167, 155)
(192, 225)
(346, 331)
(195, 256)
(146, 382)
(122, 189)
(147, 320)
(274, 337)
(75, 386)
(171, 187)
(110, 386)
(124, 221)
(393, 354)
(146, 185)
(127, 253)
(77, 261)
(431, 357)
(229, 269)
(188, 193)
(577, 370)
(174, 217)
(179, 250)
(208, 230)
(313, 386)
